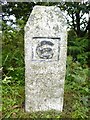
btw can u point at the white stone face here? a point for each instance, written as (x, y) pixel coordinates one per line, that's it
(45, 59)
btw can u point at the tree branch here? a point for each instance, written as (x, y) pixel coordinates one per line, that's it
(73, 22)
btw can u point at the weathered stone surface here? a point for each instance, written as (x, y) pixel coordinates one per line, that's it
(45, 59)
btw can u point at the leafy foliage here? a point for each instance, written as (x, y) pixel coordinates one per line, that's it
(78, 48)
(77, 74)
(76, 11)
(13, 56)
(77, 87)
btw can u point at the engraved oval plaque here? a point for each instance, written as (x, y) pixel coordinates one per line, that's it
(44, 50)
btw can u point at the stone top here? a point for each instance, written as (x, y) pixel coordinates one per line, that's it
(46, 21)
(50, 14)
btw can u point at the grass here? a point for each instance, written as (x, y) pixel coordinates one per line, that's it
(13, 104)
(76, 90)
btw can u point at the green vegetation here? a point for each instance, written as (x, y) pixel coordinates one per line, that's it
(76, 95)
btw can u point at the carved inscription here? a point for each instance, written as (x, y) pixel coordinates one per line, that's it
(44, 48)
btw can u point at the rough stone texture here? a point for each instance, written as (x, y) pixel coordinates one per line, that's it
(45, 59)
